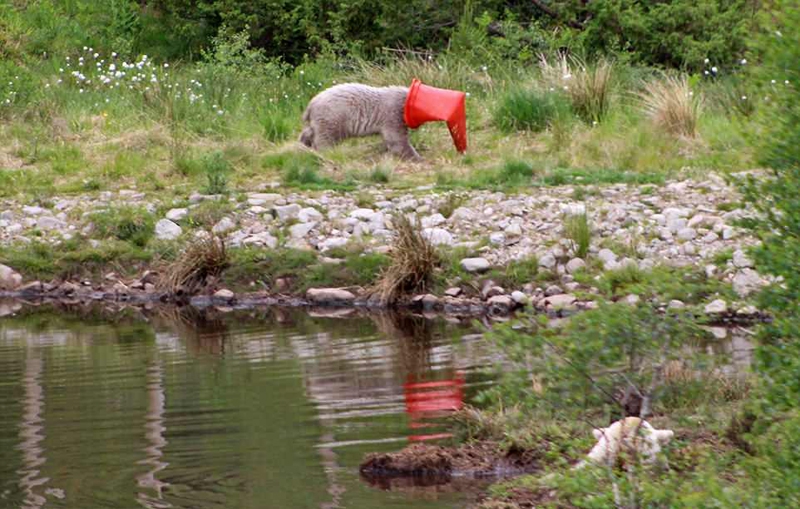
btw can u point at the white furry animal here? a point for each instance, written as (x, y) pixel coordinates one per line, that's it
(351, 110)
(632, 436)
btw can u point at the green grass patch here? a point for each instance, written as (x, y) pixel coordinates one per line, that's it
(132, 224)
(529, 109)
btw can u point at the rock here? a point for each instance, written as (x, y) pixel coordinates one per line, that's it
(561, 301)
(453, 292)
(287, 212)
(741, 260)
(438, 236)
(676, 304)
(492, 291)
(32, 288)
(363, 214)
(331, 243)
(501, 303)
(167, 230)
(548, 261)
(300, 230)
(224, 225)
(177, 214)
(728, 233)
(497, 238)
(631, 299)
(9, 278)
(519, 297)
(718, 306)
(261, 239)
(309, 215)
(513, 230)
(553, 290)
(329, 296)
(575, 265)
(224, 294)
(32, 210)
(462, 214)
(746, 281)
(687, 234)
(433, 220)
(475, 264)
(264, 198)
(50, 223)
(607, 256)
(427, 301)
(676, 224)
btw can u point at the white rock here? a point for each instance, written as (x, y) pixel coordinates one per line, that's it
(9, 278)
(676, 224)
(560, 301)
(224, 225)
(746, 282)
(286, 212)
(519, 297)
(438, 236)
(741, 260)
(632, 299)
(300, 230)
(329, 296)
(687, 233)
(716, 307)
(497, 238)
(363, 214)
(261, 239)
(49, 223)
(224, 294)
(264, 199)
(34, 210)
(309, 215)
(167, 230)
(676, 304)
(607, 256)
(462, 214)
(475, 264)
(575, 265)
(177, 214)
(513, 230)
(332, 243)
(432, 220)
(548, 261)
(728, 233)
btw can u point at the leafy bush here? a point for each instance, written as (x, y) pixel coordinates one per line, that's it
(529, 109)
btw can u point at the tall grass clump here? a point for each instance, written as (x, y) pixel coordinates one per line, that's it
(529, 109)
(672, 106)
(579, 233)
(205, 258)
(413, 262)
(588, 86)
(216, 168)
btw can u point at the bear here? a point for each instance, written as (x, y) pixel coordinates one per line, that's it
(631, 435)
(353, 110)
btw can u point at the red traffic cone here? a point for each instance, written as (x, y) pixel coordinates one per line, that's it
(428, 104)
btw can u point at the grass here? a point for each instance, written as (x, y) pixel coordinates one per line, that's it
(204, 258)
(672, 105)
(128, 223)
(579, 233)
(529, 109)
(412, 263)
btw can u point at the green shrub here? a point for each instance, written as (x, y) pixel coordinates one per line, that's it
(529, 109)
(579, 232)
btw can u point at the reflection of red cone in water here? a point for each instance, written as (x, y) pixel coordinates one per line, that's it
(432, 400)
(428, 104)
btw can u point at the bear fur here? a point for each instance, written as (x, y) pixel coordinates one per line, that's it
(351, 110)
(633, 436)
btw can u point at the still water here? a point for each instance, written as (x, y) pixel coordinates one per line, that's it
(182, 409)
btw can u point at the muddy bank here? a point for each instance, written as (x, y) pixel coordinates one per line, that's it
(425, 464)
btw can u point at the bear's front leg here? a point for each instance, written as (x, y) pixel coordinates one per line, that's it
(397, 142)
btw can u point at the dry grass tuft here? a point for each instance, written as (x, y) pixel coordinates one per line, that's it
(413, 262)
(672, 106)
(206, 257)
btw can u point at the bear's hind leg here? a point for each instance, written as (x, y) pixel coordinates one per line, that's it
(397, 142)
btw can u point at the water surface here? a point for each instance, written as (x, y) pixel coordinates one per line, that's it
(181, 409)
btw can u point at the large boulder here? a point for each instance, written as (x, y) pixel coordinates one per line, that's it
(9, 278)
(329, 296)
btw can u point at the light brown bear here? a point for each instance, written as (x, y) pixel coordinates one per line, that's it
(351, 110)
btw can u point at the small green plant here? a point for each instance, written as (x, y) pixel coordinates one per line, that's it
(380, 175)
(579, 233)
(529, 109)
(278, 124)
(451, 202)
(216, 169)
(131, 224)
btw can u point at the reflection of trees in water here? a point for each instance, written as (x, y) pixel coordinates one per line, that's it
(154, 434)
(412, 337)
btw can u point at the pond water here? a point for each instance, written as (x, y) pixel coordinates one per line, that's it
(182, 409)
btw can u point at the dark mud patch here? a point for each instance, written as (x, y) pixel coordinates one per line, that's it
(431, 465)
